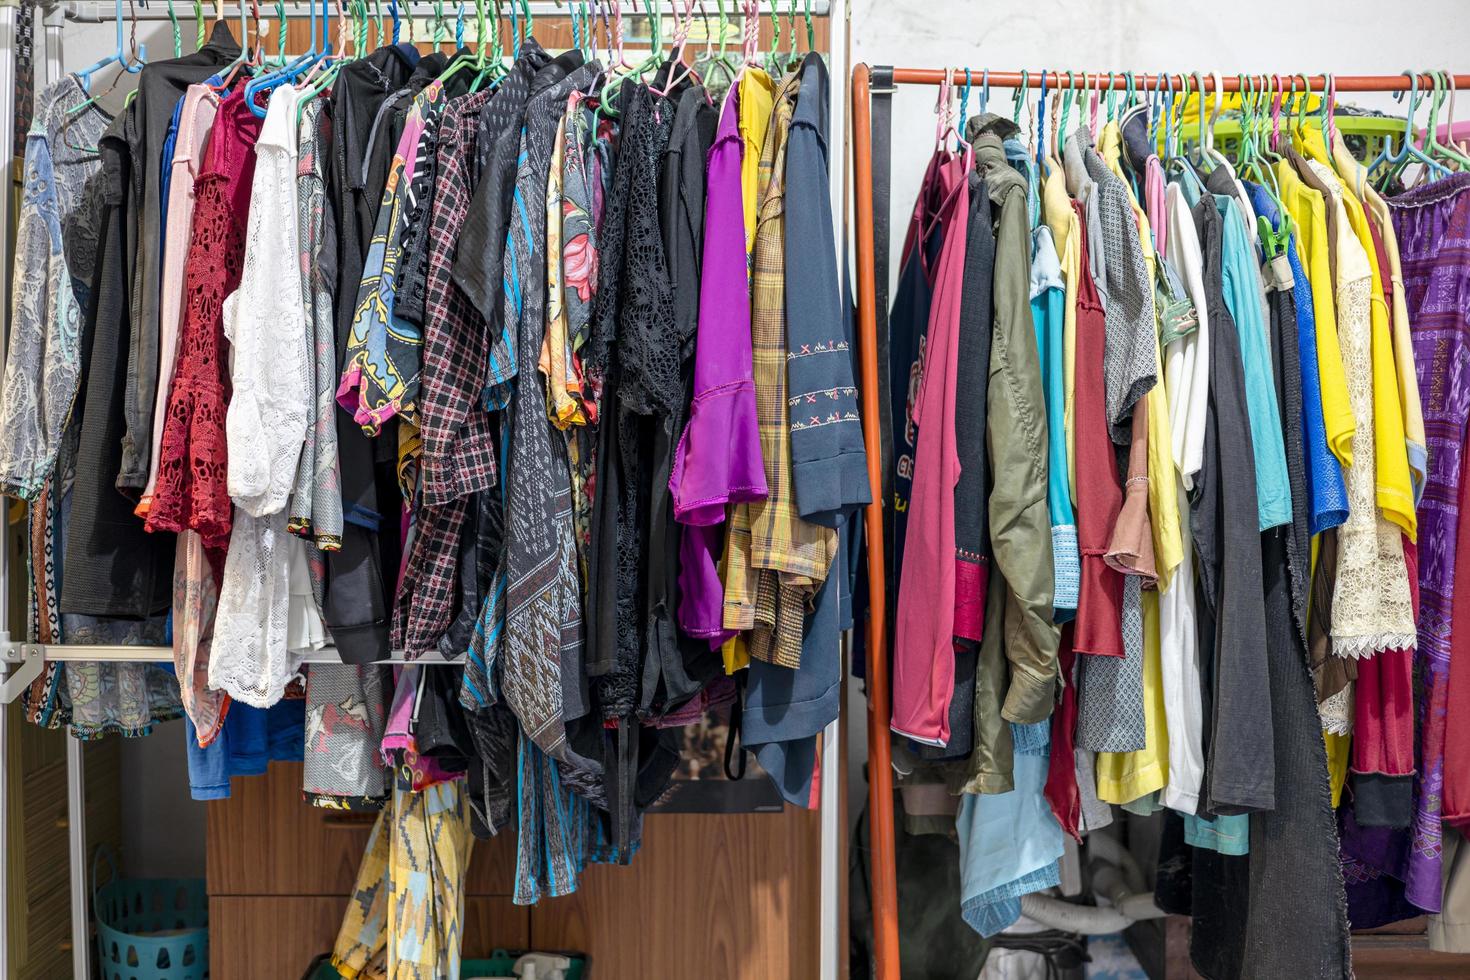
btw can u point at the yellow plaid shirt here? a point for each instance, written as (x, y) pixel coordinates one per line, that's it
(774, 561)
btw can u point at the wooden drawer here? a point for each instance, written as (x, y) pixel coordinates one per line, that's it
(264, 840)
(277, 937)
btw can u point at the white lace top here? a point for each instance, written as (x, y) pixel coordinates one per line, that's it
(266, 425)
(1371, 606)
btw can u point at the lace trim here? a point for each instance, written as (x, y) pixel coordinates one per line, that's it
(1336, 713)
(1371, 606)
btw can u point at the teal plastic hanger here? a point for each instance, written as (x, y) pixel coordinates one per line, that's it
(1408, 151)
(1019, 96)
(1066, 114)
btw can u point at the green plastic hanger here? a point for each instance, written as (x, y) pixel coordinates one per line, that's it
(1019, 96)
(718, 60)
(173, 23)
(1066, 114)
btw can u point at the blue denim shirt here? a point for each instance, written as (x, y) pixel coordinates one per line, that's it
(1327, 505)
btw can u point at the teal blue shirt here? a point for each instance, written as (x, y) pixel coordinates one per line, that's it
(1241, 285)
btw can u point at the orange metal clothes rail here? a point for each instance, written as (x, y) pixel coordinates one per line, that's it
(884, 873)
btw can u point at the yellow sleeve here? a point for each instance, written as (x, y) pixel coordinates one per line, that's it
(1337, 763)
(1062, 221)
(1395, 491)
(757, 99)
(1309, 213)
(1403, 348)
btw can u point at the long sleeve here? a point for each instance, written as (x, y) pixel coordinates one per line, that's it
(30, 418)
(1020, 523)
(829, 466)
(43, 360)
(265, 425)
(265, 322)
(194, 122)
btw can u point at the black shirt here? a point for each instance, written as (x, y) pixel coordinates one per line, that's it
(160, 86)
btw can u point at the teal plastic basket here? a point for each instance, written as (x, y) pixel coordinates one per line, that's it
(150, 928)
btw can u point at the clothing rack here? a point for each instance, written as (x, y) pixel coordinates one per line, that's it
(875, 81)
(17, 659)
(101, 11)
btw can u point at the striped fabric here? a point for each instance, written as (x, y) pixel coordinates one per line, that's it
(404, 920)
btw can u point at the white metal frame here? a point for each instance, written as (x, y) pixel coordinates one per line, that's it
(21, 662)
(9, 22)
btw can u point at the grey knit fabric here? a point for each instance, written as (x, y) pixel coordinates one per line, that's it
(1110, 715)
(1128, 301)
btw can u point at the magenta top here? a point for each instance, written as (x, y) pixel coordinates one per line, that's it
(923, 636)
(718, 461)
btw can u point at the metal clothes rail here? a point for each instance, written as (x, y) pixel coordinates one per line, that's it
(103, 11)
(880, 772)
(17, 660)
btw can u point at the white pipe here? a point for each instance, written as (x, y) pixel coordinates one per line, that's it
(76, 831)
(8, 87)
(1103, 848)
(1086, 920)
(104, 11)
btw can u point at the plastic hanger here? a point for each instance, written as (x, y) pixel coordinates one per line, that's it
(721, 59)
(173, 23)
(679, 69)
(1408, 151)
(227, 74)
(312, 87)
(1019, 96)
(397, 24)
(1094, 97)
(198, 25)
(296, 68)
(1059, 138)
(1038, 131)
(964, 110)
(1445, 151)
(487, 29)
(130, 65)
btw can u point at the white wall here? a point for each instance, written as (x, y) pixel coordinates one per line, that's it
(1226, 36)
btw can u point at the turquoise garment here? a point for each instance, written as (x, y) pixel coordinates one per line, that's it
(1048, 310)
(1242, 288)
(1227, 835)
(1021, 161)
(1009, 842)
(1327, 505)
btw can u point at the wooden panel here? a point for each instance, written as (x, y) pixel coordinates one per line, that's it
(1389, 956)
(264, 840)
(278, 937)
(736, 894)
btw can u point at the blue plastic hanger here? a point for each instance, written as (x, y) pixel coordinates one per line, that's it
(296, 68)
(130, 65)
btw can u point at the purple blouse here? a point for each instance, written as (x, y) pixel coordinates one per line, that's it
(718, 461)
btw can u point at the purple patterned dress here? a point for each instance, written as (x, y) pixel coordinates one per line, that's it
(1433, 227)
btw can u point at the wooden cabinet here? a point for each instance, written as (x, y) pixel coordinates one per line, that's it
(718, 897)
(39, 890)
